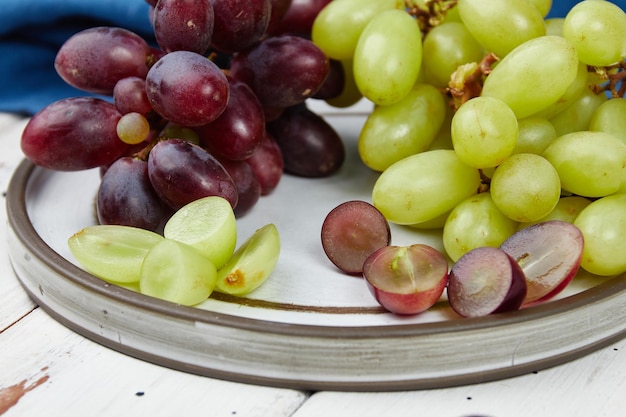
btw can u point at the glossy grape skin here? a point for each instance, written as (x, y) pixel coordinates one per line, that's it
(299, 17)
(126, 197)
(239, 130)
(503, 25)
(95, 59)
(393, 39)
(185, 25)
(534, 75)
(278, 10)
(248, 185)
(267, 164)
(187, 88)
(335, 82)
(282, 71)
(438, 182)
(129, 95)
(239, 24)
(202, 175)
(310, 146)
(535, 135)
(577, 116)
(73, 134)
(610, 117)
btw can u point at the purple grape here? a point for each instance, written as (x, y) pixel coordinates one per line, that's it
(183, 25)
(95, 59)
(126, 197)
(182, 172)
(73, 134)
(298, 19)
(267, 164)
(239, 130)
(310, 146)
(129, 95)
(279, 9)
(187, 88)
(334, 84)
(248, 185)
(239, 23)
(282, 71)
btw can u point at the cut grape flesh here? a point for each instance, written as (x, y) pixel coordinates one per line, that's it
(549, 253)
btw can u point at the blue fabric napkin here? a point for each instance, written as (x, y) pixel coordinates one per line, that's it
(31, 31)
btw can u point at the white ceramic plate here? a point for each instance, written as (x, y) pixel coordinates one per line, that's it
(310, 326)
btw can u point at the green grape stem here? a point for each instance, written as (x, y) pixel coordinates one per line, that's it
(432, 15)
(615, 76)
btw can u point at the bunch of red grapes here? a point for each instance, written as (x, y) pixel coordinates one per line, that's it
(216, 107)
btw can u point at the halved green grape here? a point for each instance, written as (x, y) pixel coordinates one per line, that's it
(251, 264)
(534, 75)
(590, 164)
(402, 129)
(598, 31)
(484, 132)
(473, 223)
(610, 117)
(337, 27)
(500, 26)
(176, 272)
(535, 134)
(525, 187)
(424, 186)
(577, 116)
(446, 47)
(567, 209)
(388, 57)
(207, 224)
(111, 252)
(603, 224)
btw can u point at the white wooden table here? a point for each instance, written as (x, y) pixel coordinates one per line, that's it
(48, 370)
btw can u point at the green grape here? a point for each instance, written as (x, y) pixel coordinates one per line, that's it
(543, 6)
(445, 48)
(443, 138)
(525, 187)
(424, 186)
(473, 223)
(535, 134)
(350, 94)
(337, 27)
(603, 224)
(133, 128)
(484, 132)
(251, 264)
(533, 76)
(208, 225)
(554, 26)
(111, 252)
(573, 92)
(567, 209)
(436, 223)
(610, 117)
(597, 29)
(393, 132)
(500, 26)
(590, 164)
(176, 272)
(577, 116)
(174, 131)
(388, 57)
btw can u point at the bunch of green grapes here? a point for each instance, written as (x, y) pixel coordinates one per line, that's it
(489, 116)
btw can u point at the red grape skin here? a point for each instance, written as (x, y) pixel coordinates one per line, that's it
(309, 145)
(187, 88)
(95, 59)
(335, 82)
(239, 130)
(126, 197)
(73, 134)
(182, 172)
(279, 9)
(184, 25)
(129, 95)
(282, 71)
(248, 185)
(299, 17)
(267, 164)
(239, 23)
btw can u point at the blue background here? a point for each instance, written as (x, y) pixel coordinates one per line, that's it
(31, 31)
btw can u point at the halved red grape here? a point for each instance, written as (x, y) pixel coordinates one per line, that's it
(406, 279)
(351, 232)
(549, 253)
(484, 281)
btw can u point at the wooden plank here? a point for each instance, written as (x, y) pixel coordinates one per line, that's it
(47, 370)
(594, 385)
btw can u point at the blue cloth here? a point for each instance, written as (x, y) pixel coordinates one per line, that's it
(31, 31)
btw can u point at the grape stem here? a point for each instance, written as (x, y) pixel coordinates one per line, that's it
(431, 14)
(467, 81)
(615, 75)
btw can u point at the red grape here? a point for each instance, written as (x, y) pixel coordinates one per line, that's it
(183, 25)
(299, 17)
(239, 23)
(267, 164)
(248, 185)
